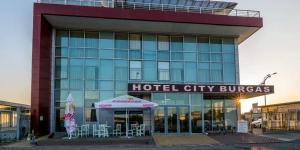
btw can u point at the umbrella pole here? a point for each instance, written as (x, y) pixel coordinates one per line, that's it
(126, 123)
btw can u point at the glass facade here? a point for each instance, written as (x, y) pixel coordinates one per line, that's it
(96, 66)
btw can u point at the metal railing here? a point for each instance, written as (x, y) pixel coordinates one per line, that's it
(156, 6)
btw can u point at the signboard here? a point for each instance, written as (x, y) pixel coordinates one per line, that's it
(139, 87)
(242, 126)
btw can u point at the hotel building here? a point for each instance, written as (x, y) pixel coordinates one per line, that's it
(181, 54)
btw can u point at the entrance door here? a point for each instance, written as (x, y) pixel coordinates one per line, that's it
(134, 116)
(172, 119)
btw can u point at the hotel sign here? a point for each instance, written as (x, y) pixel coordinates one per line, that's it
(139, 87)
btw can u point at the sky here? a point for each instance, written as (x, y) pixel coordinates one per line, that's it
(274, 48)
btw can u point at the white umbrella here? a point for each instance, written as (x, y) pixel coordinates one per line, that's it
(70, 116)
(125, 101)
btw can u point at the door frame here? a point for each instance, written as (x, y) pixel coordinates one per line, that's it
(166, 123)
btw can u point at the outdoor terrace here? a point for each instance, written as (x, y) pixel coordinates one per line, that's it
(188, 6)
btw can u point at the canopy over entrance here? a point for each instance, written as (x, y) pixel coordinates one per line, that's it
(125, 101)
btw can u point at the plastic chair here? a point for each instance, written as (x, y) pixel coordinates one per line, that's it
(132, 130)
(141, 130)
(117, 130)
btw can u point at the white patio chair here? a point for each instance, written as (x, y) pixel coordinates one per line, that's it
(102, 132)
(141, 130)
(132, 131)
(95, 130)
(117, 130)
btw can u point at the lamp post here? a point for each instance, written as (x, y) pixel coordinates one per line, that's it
(264, 83)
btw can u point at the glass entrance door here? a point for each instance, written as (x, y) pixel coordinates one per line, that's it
(172, 119)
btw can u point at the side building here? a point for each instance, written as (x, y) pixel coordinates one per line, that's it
(181, 54)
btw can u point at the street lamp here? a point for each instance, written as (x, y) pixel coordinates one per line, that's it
(264, 83)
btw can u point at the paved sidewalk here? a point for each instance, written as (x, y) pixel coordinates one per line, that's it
(190, 139)
(284, 136)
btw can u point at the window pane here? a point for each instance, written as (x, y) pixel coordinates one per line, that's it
(228, 57)
(150, 71)
(190, 43)
(106, 54)
(121, 70)
(163, 70)
(149, 55)
(91, 95)
(216, 72)
(121, 40)
(190, 72)
(107, 40)
(77, 52)
(135, 70)
(61, 68)
(149, 42)
(61, 84)
(76, 39)
(190, 56)
(228, 45)
(76, 68)
(62, 38)
(229, 73)
(177, 56)
(135, 41)
(203, 44)
(106, 71)
(106, 85)
(177, 71)
(121, 85)
(123, 54)
(135, 54)
(203, 72)
(204, 57)
(216, 57)
(176, 43)
(61, 52)
(91, 69)
(76, 84)
(216, 45)
(163, 55)
(92, 53)
(90, 115)
(78, 98)
(104, 95)
(163, 42)
(91, 85)
(92, 39)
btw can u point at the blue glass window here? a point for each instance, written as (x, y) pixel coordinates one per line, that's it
(78, 99)
(91, 69)
(104, 95)
(61, 52)
(106, 85)
(121, 70)
(204, 57)
(91, 85)
(106, 69)
(62, 38)
(163, 42)
(203, 72)
(135, 41)
(216, 72)
(163, 56)
(135, 54)
(228, 45)
(190, 72)
(149, 42)
(203, 44)
(121, 85)
(121, 40)
(121, 54)
(61, 84)
(190, 56)
(177, 71)
(135, 70)
(149, 55)
(76, 68)
(92, 39)
(107, 40)
(76, 52)
(216, 45)
(61, 68)
(229, 57)
(76, 84)
(177, 56)
(216, 57)
(176, 43)
(76, 39)
(229, 73)
(163, 71)
(106, 54)
(91, 53)
(91, 95)
(150, 71)
(190, 43)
